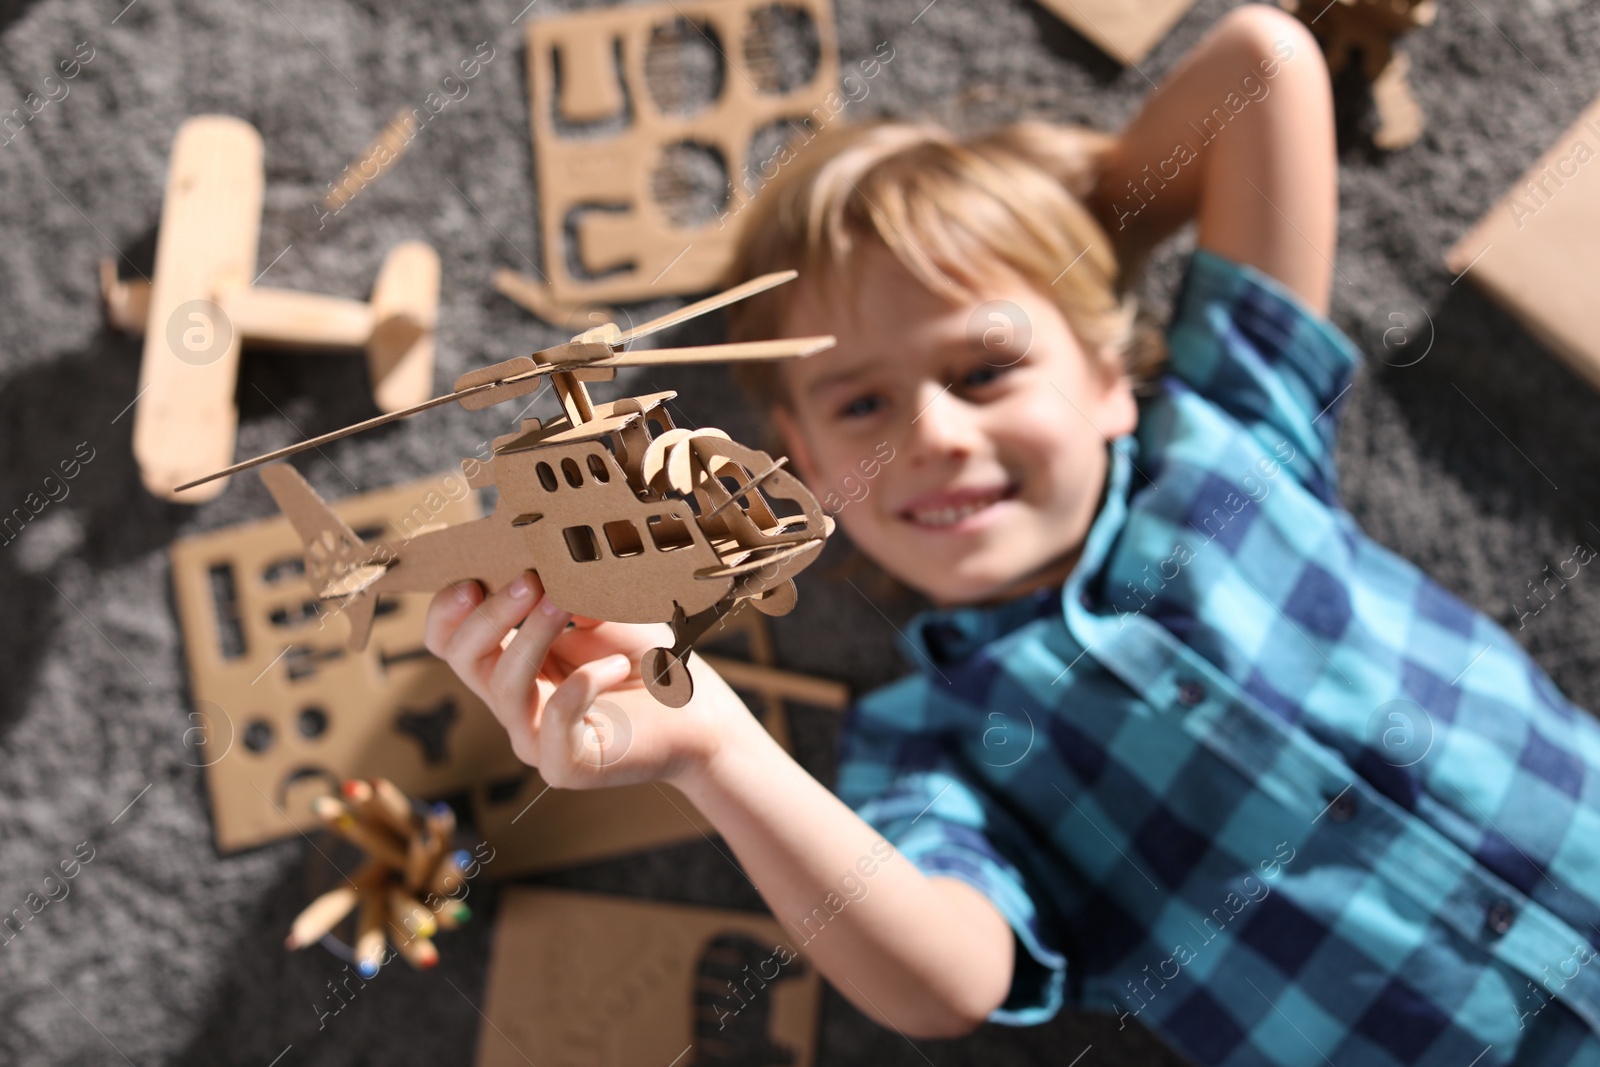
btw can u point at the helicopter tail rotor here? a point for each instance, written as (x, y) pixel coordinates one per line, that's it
(338, 562)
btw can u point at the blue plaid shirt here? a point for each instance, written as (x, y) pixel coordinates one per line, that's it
(1248, 777)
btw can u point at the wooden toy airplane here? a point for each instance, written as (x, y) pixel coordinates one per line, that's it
(624, 516)
(201, 306)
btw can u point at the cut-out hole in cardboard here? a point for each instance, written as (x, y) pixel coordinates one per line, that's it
(303, 661)
(683, 66)
(225, 601)
(430, 729)
(669, 533)
(386, 660)
(313, 723)
(570, 471)
(597, 467)
(733, 1016)
(782, 48)
(575, 109)
(690, 183)
(578, 261)
(766, 154)
(623, 537)
(284, 570)
(502, 790)
(547, 476)
(258, 735)
(288, 617)
(581, 543)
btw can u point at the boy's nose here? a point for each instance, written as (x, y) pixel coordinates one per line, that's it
(945, 426)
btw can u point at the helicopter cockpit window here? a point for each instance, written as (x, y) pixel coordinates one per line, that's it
(569, 467)
(623, 537)
(547, 477)
(582, 544)
(597, 467)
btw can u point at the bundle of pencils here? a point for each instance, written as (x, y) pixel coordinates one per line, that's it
(403, 893)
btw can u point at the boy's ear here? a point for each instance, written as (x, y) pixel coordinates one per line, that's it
(794, 443)
(1119, 411)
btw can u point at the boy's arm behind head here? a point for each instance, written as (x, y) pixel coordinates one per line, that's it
(1241, 137)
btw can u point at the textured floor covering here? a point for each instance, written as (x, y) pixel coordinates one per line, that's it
(1481, 462)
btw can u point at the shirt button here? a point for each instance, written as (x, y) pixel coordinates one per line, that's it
(1498, 917)
(1342, 808)
(1191, 693)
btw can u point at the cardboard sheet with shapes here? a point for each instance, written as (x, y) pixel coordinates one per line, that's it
(1126, 30)
(284, 709)
(535, 829)
(1537, 251)
(641, 155)
(582, 978)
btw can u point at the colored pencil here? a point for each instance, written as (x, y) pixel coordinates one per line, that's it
(419, 952)
(410, 915)
(392, 806)
(322, 915)
(369, 933)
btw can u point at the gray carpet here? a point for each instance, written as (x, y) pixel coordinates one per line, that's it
(165, 952)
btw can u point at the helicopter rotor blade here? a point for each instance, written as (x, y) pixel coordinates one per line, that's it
(784, 348)
(740, 352)
(317, 442)
(710, 303)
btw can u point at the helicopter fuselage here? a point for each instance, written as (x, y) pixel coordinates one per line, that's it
(569, 513)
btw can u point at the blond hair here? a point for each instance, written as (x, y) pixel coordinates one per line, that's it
(958, 214)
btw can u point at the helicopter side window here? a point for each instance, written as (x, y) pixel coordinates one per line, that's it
(547, 477)
(597, 467)
(582, 544)
(623, 537)
(569, 467)
(669, 532)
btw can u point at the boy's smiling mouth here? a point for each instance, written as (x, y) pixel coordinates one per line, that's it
(952, 507)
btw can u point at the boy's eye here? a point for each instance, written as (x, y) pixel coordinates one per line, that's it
(981, 376)
(861, 406)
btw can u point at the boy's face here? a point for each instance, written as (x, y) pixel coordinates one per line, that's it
(966, 442)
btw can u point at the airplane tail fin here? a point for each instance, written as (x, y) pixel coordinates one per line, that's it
(338, 562)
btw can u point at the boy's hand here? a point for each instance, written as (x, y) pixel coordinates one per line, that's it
(572, 700)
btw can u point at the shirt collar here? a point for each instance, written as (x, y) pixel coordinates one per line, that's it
(946, 636)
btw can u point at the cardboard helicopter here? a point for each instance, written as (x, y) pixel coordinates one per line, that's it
(202, 305)
(624, 516)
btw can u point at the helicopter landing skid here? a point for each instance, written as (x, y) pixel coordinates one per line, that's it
(665, 671)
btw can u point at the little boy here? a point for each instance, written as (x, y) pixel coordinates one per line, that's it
(1184, 744)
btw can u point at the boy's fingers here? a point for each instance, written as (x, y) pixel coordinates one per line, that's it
(449, 606)
(572, 749)
(512, 679)
(583, 643)
(519, 731)
(481, 632)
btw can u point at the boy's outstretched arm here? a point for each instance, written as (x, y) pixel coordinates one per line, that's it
(1241, 136)
(930, 957)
